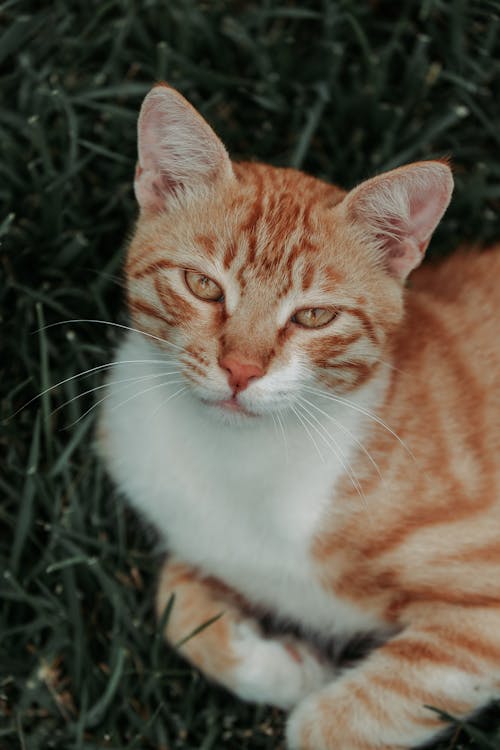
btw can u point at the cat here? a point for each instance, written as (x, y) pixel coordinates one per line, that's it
(312, 437)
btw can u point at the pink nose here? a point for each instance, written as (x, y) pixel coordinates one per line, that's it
(240, 370)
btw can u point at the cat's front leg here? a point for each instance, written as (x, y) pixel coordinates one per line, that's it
(231, 649)
(451, 664)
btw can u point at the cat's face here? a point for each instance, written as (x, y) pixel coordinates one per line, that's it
(265, 281)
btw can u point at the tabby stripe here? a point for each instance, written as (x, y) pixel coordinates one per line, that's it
(133, 262)
(230, 254)
(207, 243)
(196, 603)
(173, 303)
(416, 694)
(425, 517)
(332, 275)
(425, 594)
(306, 217)
(255, 211)
(308, 276)
(144, 309)
(475, 646)
(352, 365)
(487, 553)
(417, 651)
(365, 321)
(152, 267)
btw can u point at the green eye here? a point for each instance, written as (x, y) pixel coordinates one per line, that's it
(203, 287)
(314, 317)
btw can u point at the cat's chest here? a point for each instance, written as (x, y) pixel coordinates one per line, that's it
(256, 536)
(268, 560)
(244, 505)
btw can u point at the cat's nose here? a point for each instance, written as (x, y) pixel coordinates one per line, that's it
(240, 371)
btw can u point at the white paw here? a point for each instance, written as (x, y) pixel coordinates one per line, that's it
(277, 672)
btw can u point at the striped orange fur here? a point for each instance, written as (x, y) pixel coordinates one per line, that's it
(396, 530)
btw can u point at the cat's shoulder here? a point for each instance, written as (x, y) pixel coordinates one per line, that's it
(467, 271)
(452, 306)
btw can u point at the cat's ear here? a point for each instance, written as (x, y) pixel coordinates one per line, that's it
(400, 210)
(179, 153)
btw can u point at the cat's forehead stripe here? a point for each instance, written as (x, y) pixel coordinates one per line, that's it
(176, 306)
(142, 270)
(255, 206)
(208, 244)
(307, 276)
(230, 253)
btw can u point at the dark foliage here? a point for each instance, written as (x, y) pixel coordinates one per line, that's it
(340, 88)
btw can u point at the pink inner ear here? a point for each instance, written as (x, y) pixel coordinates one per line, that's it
(403, 256)
(424, 209)
(178, 151)
(402, 209)
(401, 252)
(154, 152)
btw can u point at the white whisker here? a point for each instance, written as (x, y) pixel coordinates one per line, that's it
(108, 395)
(84, 373)
(136, 379)
(115, 325)
(304, 425)
(371, 358)
(275, 425)
(170, 398)
(282, 428)
(366, 412)
(344, 429)
(390, 366)
(336, 451)
(147, 390)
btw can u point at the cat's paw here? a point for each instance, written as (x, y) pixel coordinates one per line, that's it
(303, 728)
(280, 672)
(329, 720)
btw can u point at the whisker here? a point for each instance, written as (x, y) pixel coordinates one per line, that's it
(118, 280)
(137, 379)
(389, 365)
(344, 429)
(372, 358)
(110, 323)
(367, 413)
(336, 451)
(304, 425)
(148, 390)
(282, 427)
(170, 398)
(108, 395)
(84, 373)
(275, 425)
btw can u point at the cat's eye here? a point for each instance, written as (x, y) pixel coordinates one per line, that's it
(314, 317)
(203, 286)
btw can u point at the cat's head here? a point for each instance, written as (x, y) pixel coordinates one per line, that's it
(266, 281)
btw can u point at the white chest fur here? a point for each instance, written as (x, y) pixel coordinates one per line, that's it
(241, 502)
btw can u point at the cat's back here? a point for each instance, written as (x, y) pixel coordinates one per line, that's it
(434, 498)
(445, 398)
(452, 325)
(464, 287)
(449, 354)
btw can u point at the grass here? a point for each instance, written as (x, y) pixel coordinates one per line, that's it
(342, 89)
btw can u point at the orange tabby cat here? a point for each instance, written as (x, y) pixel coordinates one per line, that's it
(312, 439)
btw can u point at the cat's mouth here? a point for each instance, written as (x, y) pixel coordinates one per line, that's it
(230, 405)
